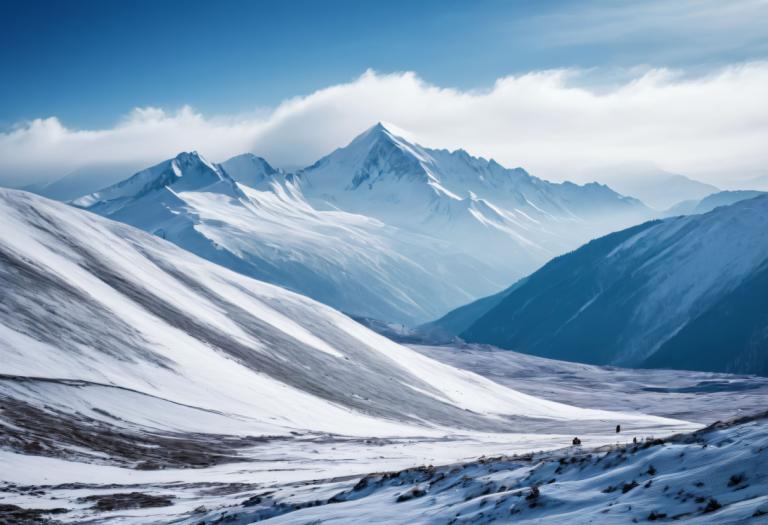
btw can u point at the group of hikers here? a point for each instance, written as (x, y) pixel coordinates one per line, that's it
(576, 441)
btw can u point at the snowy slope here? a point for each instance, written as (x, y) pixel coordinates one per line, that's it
(686, 292)
(702, 397)
(132, 369)
(717, 475)
(94, 300)
(251, 218)
(506, 216)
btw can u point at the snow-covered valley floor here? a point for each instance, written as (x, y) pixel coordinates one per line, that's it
(713, 476)
(716, 475)
(701, 397)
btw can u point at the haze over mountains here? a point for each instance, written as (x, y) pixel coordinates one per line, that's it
(686, 292)
(657, 188)
(362, 228)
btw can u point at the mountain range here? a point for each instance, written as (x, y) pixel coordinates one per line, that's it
(142, 382)
(382, 228)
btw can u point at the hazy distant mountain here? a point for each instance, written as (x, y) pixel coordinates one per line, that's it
(507, 215)
(686, 292)
(656, 188)
(710, 202)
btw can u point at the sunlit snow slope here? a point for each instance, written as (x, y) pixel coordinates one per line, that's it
(94, 300)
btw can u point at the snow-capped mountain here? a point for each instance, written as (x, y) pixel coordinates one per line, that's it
(382, 228)
(686, 292)
(504, 215)
(266, 230)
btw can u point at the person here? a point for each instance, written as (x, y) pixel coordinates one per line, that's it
(618, 428)
(576, 441)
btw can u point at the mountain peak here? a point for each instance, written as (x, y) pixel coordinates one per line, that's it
(385, 131)
(375, 133)
(187, 171)
(379, 126)
(249, 169)
(187, 159)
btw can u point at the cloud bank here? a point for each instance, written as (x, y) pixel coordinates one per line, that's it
(550, 122)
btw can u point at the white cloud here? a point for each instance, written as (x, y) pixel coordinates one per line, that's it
(548, 122)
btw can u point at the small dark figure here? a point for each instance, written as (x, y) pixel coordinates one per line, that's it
(634, 440)
(618, 428)
(576, 441)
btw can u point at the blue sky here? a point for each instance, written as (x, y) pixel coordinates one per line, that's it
(89, 62)
(562, 88)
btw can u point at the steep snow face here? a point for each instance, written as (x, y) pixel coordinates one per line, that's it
(93, 300)
(265, 229)
(634, 297)
(473, 202)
